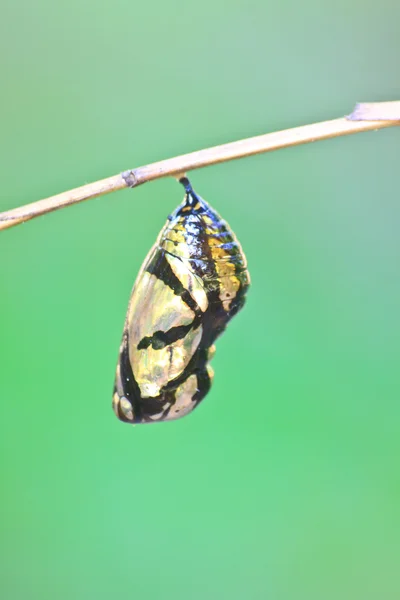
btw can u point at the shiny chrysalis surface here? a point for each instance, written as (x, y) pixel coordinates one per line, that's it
(191, 284)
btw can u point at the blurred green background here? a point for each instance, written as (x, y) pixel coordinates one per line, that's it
(285, 484)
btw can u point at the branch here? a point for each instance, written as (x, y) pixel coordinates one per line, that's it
(365, 117)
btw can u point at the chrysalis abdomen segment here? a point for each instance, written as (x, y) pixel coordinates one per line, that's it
(192, 283)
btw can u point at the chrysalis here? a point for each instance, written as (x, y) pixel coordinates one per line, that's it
(191, 284)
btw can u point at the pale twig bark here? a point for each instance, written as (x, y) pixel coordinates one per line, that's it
(365, 117)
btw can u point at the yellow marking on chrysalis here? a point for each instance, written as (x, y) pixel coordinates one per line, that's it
(119, 389)
(126, 408)
(229, 287)
(207, 220)
(181, 250)
(184, 403)
(211, 352)
(176, 236)
(219, 253)
(173, 241)
(124, 405)
(179, 225)
(190, 281)
(210, 372)
(170, 247)
(226, 270)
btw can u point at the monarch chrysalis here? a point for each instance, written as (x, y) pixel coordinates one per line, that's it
(191, 284)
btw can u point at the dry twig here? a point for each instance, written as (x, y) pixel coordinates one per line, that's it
(365, 117)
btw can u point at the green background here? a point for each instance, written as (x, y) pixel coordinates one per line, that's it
(285, 484)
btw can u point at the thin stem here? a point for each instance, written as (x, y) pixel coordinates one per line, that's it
(385, 114)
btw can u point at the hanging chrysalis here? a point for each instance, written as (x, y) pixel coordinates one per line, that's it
(191, 284)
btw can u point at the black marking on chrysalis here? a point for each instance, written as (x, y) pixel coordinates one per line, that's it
(191, 284)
